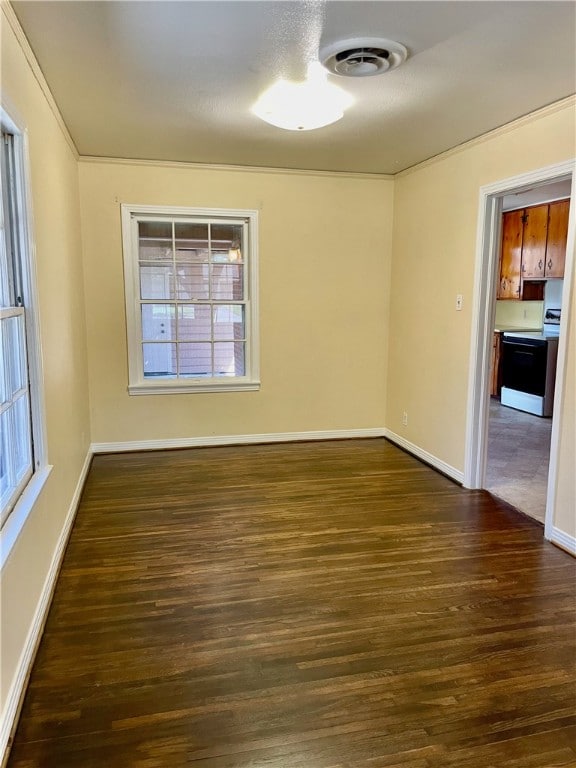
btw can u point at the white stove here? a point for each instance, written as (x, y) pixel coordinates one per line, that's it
(529, 366)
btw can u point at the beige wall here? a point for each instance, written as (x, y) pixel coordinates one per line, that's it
(435, 225)
(56, 219)
(325, 247)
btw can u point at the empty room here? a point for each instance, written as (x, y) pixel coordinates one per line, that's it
(288, 387)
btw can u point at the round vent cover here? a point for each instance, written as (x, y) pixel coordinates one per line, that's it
(362, 56)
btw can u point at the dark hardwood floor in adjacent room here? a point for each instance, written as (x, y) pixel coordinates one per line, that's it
(319, 605)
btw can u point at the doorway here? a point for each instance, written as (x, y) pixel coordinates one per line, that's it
(492, 198)
(519, 441)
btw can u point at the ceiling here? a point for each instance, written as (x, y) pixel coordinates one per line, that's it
(556, 190)
(175, 81)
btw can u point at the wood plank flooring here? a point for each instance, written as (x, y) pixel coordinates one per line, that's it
(319, 605)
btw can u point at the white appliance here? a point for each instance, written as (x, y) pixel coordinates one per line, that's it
(529, 360)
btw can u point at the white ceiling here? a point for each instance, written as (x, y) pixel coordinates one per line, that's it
(175, 81)
(545, 193)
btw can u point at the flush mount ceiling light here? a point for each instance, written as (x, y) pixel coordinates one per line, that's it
(303, 106)
(362, 56)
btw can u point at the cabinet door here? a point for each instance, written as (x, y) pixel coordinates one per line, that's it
(511, 255)
(557, 236)
(534, 243)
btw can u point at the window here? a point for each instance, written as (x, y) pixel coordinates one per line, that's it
(191, 291)
(21, 439)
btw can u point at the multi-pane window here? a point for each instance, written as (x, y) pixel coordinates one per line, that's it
(190, 299)
(16, 444)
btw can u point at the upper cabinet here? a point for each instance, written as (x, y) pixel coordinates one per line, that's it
(511, 255)
(557, 237)
(533, 249)
(534, 241)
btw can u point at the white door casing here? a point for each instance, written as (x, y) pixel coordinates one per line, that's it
(483, 311)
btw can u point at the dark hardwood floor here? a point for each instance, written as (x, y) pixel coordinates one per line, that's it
(320, 605)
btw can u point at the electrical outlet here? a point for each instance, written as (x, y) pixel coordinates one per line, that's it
(405, 418)
(458, 301)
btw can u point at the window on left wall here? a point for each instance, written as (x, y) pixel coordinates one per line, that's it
(23, 466)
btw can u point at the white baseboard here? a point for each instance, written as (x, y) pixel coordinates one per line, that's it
(280, 437)
(563, 540)
(16, 693)
(427, 458)
(212, 440)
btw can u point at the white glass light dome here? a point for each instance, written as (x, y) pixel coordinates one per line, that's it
(303, 106)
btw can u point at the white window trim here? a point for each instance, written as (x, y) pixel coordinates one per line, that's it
(41, 471)
(137, 384)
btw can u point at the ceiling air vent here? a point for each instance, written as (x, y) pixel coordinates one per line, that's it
(362, 56)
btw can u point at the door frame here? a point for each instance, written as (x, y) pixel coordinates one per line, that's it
(483, 312)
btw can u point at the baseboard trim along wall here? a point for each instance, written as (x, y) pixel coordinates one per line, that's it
(15, 695)
(564, 540)
(427, 458)
(214, 440)
(281, 437)
(558, 537)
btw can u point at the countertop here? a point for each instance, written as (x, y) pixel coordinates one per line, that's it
(500, 328)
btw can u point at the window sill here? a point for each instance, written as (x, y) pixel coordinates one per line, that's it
(17, 518)
(181, 389)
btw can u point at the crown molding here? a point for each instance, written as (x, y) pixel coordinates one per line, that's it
(93, 159)
(14, 23)
(531, 117)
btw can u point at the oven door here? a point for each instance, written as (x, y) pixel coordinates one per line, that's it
(524, 365)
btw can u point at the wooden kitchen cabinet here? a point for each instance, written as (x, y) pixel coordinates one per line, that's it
(533, 249)
(534, 241)
(511, 255)
(557, 237)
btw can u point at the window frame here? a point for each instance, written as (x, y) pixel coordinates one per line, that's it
(23, 502)
(131, 215)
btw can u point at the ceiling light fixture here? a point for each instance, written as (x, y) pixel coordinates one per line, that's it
(303, 106)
